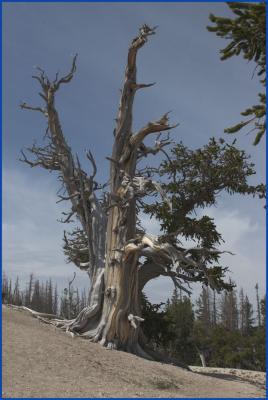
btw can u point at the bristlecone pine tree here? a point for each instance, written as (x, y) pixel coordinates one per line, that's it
(118, 255)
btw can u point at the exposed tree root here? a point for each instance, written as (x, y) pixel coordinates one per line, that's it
(95, 335)
(35, 314)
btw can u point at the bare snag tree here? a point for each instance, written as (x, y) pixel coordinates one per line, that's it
(110, 245)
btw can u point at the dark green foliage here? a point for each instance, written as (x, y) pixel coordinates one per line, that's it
(234, 342)
(246, 33)
(185, 335)
(257, 340)
(193, 179)
(202, 337)
(230, 349)
(170, 329)
(155, 323)
(180, 320)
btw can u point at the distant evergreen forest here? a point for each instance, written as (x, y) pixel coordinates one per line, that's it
(218, 330)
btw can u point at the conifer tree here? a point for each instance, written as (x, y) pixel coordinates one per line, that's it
(246, 33)
(203, 326)
(36, 298)
(29, 290)
(258, 305)
(248, 315)
(214, 317)
(10, 291)
(49, 297)
(5, 288)
(43, 297)
(55, 301)
(229, 310)
(241, 310)
(17, 297)
(263, 311)
(178, 318)
(203, 311)
(156, 327)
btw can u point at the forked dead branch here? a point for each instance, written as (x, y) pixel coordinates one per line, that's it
(118, 255)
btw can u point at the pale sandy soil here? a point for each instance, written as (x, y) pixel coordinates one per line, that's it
(40, 361)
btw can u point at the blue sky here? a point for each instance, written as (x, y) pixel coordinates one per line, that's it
(205, 95)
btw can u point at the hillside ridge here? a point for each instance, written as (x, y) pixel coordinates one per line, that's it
(40, 361)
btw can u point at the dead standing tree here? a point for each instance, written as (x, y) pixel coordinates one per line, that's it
(109, 245)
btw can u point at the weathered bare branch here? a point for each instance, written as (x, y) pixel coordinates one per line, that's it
(78, 186)
(169, 260)
(67, 78)
(31, 163)
(92, 160)
(35, 314)
(44, 159)
(64, 198)
(68, 219)
(27, 107)
(42, 79)
(137, 86)
(152, 127)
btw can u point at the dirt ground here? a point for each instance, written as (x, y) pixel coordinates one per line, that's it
(40, 361)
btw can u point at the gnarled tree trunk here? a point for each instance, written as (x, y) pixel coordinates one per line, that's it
(109, 246)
